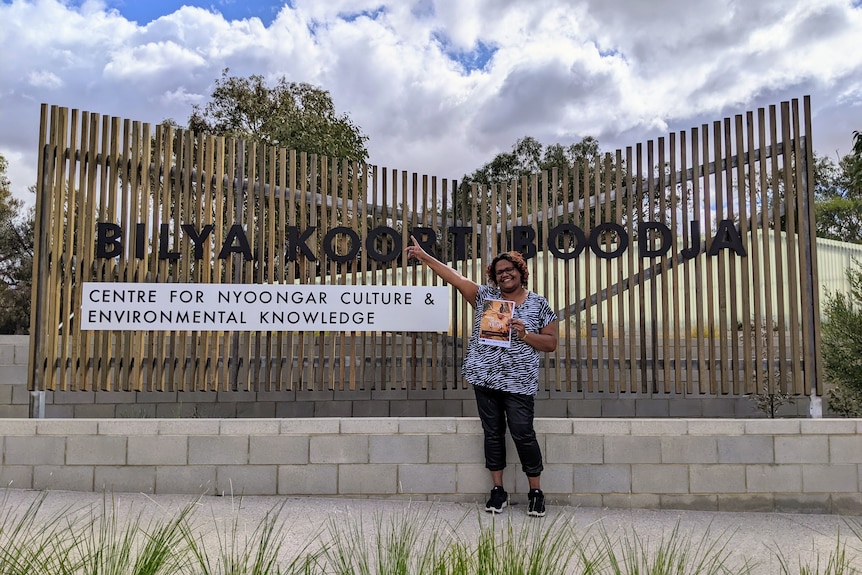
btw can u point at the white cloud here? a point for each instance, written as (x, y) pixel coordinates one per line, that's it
(440, 86)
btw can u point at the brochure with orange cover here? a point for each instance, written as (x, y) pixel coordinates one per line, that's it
(495, 327)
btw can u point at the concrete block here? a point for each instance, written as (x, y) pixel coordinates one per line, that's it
(421, 425)
(651, 407)
(830, 478)
(188, 427)
(689, 502)
(372, 408)
(548, 426)
(575, 500)
(367, 479)
(601, 427)
(249, 427)
(469, 426)
(238, 480)
(659, 427)
(235, 396)
(186, 479)
(827, 427)
(660, 478)
(95, 450)
(845, 449)
(726, 478)
(474, 478)
(772, 427)
(549, 408)
(197, 396)
(847, 504)
(583, 408)
(18, 427)
(73, 397)
(311, 426)
(66, 427)
(612, 407)
(689, 449)
(422, 479)
(59, 411)
(773, 478)
(557, 479)
(258, 409)
(275, 396)
(20, 394)
(157, 449)
(130, 427)
(157, 397)
(338, 449)
(5, 393)
(14, 411)
(802, 503)
(801, 449)
(388, 394)
(126, 479)
(333, 408)
(574, 449)
(308, 480)
(16, 476)
(95, 411)
(407, 408)
(720, 407)
(632, 449)
(63, 477)
(718, 427)
(7, 354)
(609, 478)
(218, 450)
(443, 408)
(38, 450)
(741, 503)
(115, 397)
(370, 425)
(685, 407)
(283, 449)
(746, 449)
(398, 449)
(456, 449)
(631, 501)
(301, 409)
(14, 374)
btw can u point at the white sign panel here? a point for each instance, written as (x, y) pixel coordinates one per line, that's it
(252, 307)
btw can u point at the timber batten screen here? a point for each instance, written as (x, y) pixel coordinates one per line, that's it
(684, 265)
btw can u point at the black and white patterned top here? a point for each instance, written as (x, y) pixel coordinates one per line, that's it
(514, 369)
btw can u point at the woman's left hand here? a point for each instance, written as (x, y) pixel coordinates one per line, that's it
(518, 328)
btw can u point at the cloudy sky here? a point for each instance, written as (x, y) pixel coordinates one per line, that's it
(440, 86)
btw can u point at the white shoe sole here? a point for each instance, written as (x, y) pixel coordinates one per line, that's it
(495, 510)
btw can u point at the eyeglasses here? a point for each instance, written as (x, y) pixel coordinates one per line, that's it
(502, 272)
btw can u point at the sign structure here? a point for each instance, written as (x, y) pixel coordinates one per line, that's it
(169, 260)
(244, 307)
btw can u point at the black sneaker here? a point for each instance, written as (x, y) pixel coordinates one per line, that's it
(499, 499)
(537, 503)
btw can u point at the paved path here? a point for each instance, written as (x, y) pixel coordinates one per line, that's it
(754, 536)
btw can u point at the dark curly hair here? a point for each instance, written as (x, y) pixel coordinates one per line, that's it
(516, 260)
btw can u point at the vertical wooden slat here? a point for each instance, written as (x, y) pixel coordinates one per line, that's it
(755, 356)
(654, 355)
(813, 374)
(689, 211)
(730, 263)
(68, 319)
(219, 349)
(568, 269)
(792, 264)
(607, 319)
(662, 282)
(678, 303)
(769, 324)
(40, 286)
(710, 329)
(86, 266)
(631, 207)
(778, 383)
(743, 263)
(587, 226)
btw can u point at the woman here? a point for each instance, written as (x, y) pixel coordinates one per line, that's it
(505, 379)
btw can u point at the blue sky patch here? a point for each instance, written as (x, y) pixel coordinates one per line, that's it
(475, 59)
(145, 11)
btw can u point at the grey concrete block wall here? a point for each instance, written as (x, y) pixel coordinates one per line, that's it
(753, 465)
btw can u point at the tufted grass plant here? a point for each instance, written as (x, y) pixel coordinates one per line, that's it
(93, 540)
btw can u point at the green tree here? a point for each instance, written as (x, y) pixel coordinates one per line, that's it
(16, 258)
(292, 115)
(838, 198)
(841, 346)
